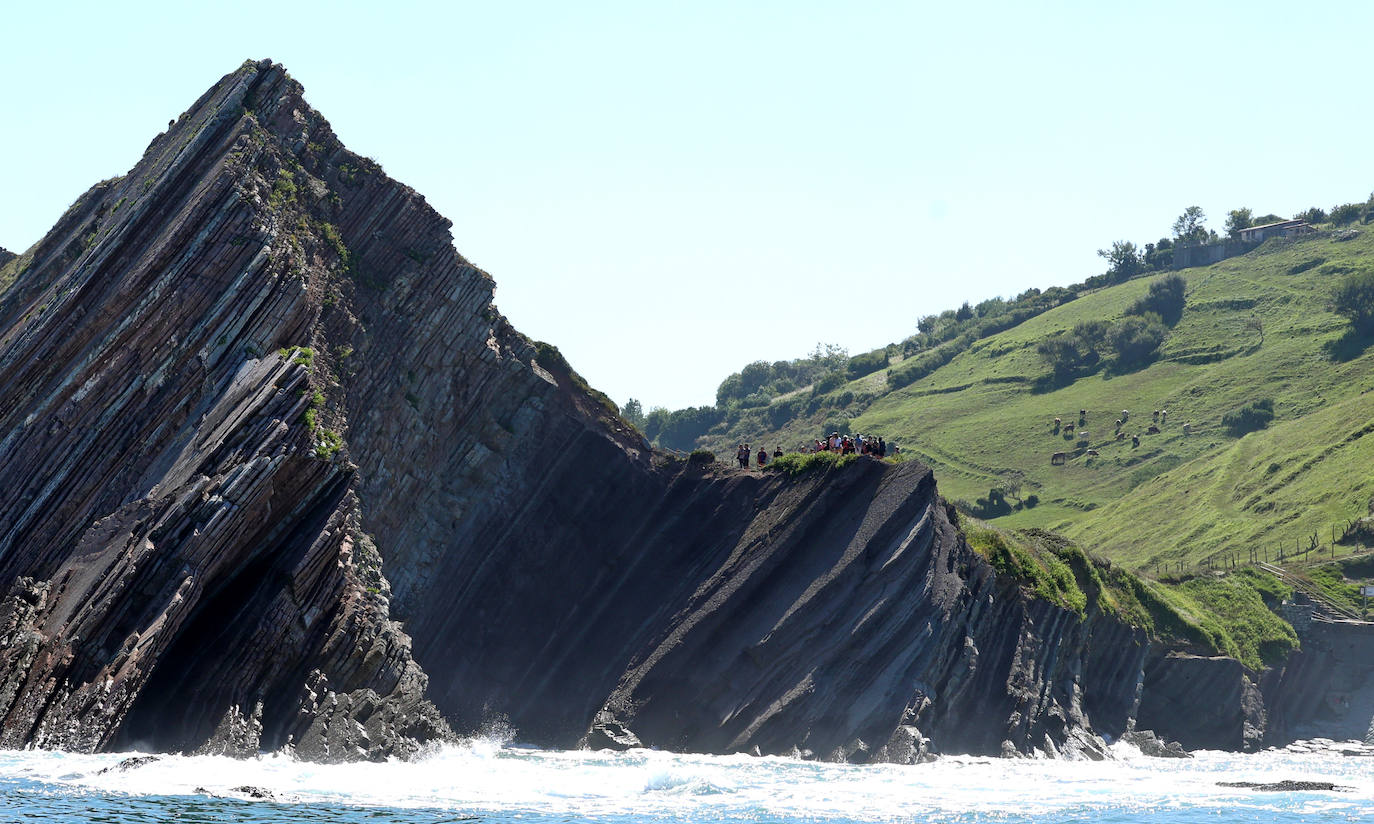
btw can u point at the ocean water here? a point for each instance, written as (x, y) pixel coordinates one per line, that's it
(488, 781)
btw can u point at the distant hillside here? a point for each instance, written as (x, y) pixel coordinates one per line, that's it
(1254, 328)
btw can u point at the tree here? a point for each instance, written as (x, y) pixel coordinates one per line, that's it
(1189, 229)
(830, 356)
(1254, 324)
(634, 413)
(1346, 213)
(1354, 299)
(928, 324)
(1238, 219)
(1313, 215)
(654, 421)
(730, 389)
(965, 312)
(1159, 256)
(991, 308)
(754, 376)
(1124, 260)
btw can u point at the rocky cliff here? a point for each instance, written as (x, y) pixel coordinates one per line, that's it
(274, 471)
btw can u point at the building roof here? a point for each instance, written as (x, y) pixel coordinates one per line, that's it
(1282, 224)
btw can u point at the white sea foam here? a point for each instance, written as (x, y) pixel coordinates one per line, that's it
(487, 776)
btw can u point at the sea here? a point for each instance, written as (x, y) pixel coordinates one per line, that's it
(491, 780)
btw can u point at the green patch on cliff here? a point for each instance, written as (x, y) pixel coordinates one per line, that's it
(548, 356)
(1232, 614)
(795, 463)
(1223, 614)
(1043, 573)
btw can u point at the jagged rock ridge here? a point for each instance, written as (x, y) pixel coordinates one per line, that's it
(276, 471)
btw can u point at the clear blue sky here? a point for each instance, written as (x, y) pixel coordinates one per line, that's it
(669, 191)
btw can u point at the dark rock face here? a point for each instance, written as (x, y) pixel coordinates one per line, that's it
(1203, 703)
(1325, 689)
(184, 558)
(195, 510)
(833, 614)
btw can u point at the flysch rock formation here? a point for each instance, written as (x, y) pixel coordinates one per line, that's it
(274, 472)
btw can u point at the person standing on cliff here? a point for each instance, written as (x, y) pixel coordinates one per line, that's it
(763, 457)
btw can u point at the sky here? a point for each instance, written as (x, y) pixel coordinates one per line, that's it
(669, 191)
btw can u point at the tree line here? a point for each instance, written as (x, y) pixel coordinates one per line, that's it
(770, 394)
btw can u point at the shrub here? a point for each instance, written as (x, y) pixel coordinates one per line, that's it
(795, 464)
(828, 382)
(1137, 340)
(1354, 299)
(1165, 299)
(914, 368)
(701, 456)
(783, 411)
(867, 363)
(1065, 355)
(1032, 501)
(1249, 418)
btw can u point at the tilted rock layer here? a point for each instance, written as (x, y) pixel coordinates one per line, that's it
(239, 380)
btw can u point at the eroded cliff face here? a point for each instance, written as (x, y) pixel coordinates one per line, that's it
(274, 470)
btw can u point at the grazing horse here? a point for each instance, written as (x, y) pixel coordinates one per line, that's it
(1058, 458)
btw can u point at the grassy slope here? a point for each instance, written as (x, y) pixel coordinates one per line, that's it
(1226, 615)
(1175, 497)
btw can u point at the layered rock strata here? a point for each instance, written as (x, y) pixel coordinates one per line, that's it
(275, 472)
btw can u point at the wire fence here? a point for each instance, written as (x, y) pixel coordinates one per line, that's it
(1304, 550)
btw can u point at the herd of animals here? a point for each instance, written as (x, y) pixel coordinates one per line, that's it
(1158, 418)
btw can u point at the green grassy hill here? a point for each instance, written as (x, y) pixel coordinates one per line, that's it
(986, 418)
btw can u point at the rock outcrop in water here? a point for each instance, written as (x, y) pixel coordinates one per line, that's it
(274, 471)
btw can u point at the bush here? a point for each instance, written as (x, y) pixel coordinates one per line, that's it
(1249, 418)
(1354, 299)
(701, 456)
(1064, 354)
(828, 382)
(1165, 299)
(914, 368)
(867, 363)
(795, 464)
(1032, 501)
(1137, 340)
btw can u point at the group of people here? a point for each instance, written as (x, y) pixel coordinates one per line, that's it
(835, 442)
(743, 454)
(846, 445)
